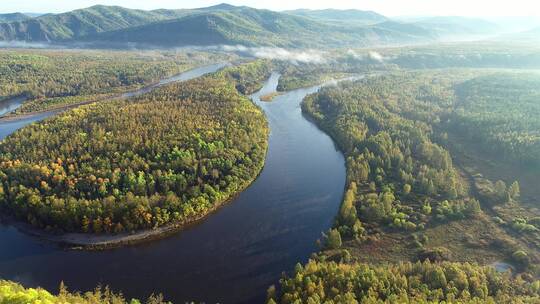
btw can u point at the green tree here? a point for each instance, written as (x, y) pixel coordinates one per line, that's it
(514, 191)
(347, 213)
(500, 189)
(333, 239)
(407, 189)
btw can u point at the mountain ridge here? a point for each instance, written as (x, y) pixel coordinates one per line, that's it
(218, 24)
(12, 17)
(348, 15)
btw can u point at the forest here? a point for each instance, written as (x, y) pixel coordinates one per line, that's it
(415, 224)
(52, 78)
(420, 282)
(11, 293)
(501, 112)
(402, 177)
(342, 63)
(441, 163)
(172, 155)
(248, 77)
(477, 54)
(45, 104)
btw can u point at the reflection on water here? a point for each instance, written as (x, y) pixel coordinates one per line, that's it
(10, 105)
(236, 253)
(8, 127)
(192, 74)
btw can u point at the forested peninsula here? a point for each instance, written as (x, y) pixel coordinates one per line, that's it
(169, 156)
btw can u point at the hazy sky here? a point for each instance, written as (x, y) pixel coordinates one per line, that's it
(386, 7)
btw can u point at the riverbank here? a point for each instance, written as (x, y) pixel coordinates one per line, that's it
(10, 104)
(132, 92)
(52, 111)
(231, 256)
(86, 241)
(96, 242)
(270, 97)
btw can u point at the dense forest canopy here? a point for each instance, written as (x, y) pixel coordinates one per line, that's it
(11, 292)
(416, 109)
(478, 54)
(404, 188)
(168, 156)
(58, 77)
(416, 224)
(331, 282)
(503, 112)
(248, 77)
(393, 166)
(340, 63)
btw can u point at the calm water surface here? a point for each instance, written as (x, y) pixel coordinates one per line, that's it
(11, 104)
(232, 256)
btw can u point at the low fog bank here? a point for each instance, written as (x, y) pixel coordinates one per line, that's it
(369, 56)
(28, 45)
(272, 53)
(298, 56)
(486, 54)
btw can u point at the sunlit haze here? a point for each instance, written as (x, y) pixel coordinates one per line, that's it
(386, 7)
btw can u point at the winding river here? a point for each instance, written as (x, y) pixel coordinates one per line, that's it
(233, 255)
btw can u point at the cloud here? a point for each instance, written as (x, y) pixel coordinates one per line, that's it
(376, 56)
(273, 53)
(371, 56)
(335, 82)
(303, 56)
(26, 45)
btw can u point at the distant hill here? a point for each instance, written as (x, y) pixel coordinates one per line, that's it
(79, 23)
(220, 24)
(13, 17)
(412, 30)
(254, 27)
(450, 26)
(516, 24)
(529, 36)
(33, 15)
(334, 15)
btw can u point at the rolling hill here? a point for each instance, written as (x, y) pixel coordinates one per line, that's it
(451, 26)
(79, 23)
(531, 36)
(220, 24)
(254, 27)
(412, 30)
(13, 17)
(343, 16)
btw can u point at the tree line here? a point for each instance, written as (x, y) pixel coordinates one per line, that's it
(400, 177)
(321, 281)
(43, 76)
(501, 112)
(397, 176)
(171, 155)
(11, 292)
